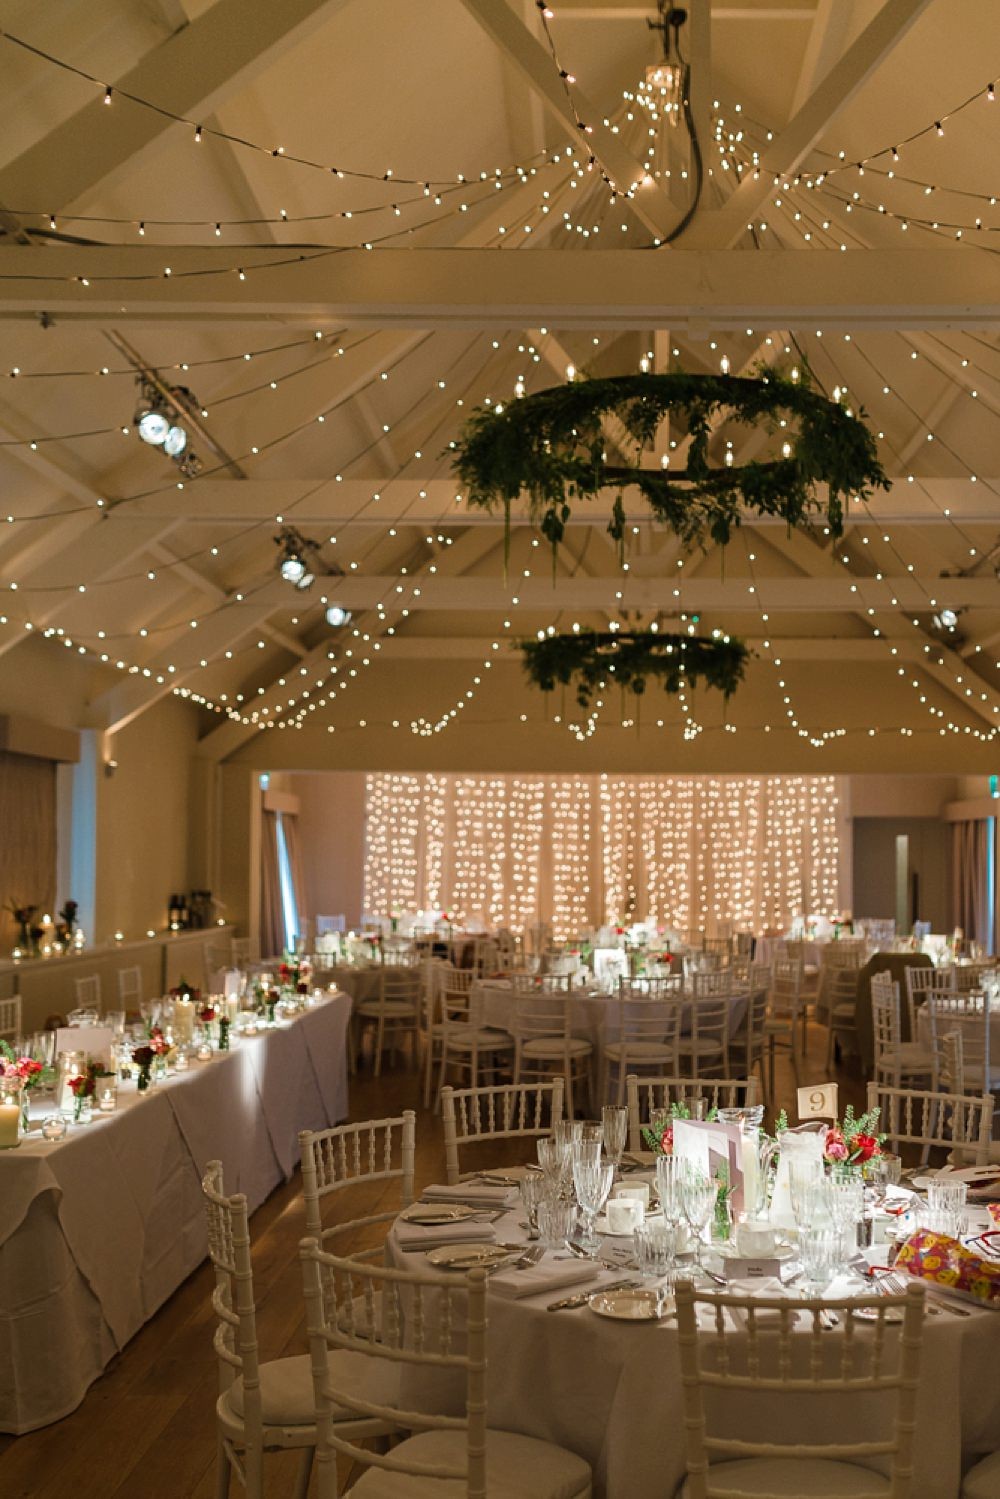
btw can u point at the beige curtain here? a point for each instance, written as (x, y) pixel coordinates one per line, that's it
(27, 839)
(969, 879)
(293, 845)
(272, 926)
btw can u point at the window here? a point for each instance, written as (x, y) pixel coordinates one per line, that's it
(289, 908)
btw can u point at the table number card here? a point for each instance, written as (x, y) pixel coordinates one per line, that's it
(819, 1102)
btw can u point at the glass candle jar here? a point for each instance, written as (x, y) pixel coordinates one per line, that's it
(71, 1064)
(11, 1090)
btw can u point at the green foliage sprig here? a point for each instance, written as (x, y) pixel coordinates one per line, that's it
(551, 446)
(595, 659)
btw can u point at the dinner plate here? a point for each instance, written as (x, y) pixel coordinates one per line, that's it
(430, 1214)
(468, 1256)
(630, 1306)
(871, 1313)
(781, 1251)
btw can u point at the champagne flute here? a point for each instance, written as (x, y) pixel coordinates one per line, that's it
(615, 1120)
(698, 1195)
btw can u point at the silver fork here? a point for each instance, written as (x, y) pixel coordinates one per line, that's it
(531, 1256)
(894, 1284)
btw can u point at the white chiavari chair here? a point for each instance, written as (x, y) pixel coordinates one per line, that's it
(10, 1018)
(919, 979)
(896, 1059)
(432, 971)
(545, 1047)
(969, 1014)
(975, 975)
(949, 1121)
(847, 953)
(509, 1112)
(786, 1013)
(703, 1044)
(758, 1344)
(269, 1406)
(88, 992)
(393, 1014)
(462, 1042)
(326, 924)
(711, 982)
(130, 988)
(751, 1036)
(841, 1006)
(794, 949)
(644, 1095)
(639, 1035)
(433, 1325)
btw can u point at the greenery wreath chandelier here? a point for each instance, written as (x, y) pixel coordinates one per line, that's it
(599, 659)
(553, 447)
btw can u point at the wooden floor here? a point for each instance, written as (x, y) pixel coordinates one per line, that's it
(146, 1429)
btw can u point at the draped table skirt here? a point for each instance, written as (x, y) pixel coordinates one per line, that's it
(97, 1231)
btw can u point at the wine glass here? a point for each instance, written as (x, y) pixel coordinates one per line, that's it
(565, 1131)
(846, 1201)
(656, 1257)
(669, 1179)
(593, 1183)
(554, 1160)
(555, 1221)
(615, 1120)
(803, 1175)
(698, 1195)
(533, 1185)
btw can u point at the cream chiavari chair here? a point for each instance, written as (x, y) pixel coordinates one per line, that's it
(785, 1013)
(88, 992)
(841, 1008)
(267, 1406)
(10, 1018)
(969, 1014)
(434, 1325)
(639, 1035)
(545, 1047)
(896, 1059)
(130, 988)
(432, 975)
(714, 981)
(346, 1158)
(752, 1034)
(644, 1095)
(462, 1042)
(920, 979)
(754, 1346)
(393, 1014)
(511, 1112)
(703, 1045)
(951, 1121)
(975, 975)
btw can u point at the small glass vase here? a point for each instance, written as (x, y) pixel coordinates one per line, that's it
(143, 1079)
(11, 1105)
(223, 1034)
(83, 1109)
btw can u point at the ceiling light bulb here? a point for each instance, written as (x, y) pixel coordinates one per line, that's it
(175, 441)
(153, 427)
(292, 568)
(337, 616)
(306, 580)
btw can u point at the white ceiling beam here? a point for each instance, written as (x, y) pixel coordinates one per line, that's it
(731, 595)
(831, 23)
(198, 581)
(601, 289)
(840, 85)
(533, 61)
(917, 441)
(190, 73)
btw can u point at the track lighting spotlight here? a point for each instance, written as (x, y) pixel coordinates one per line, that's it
(295, 557)
(337, 616)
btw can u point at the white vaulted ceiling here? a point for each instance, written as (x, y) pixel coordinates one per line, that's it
(363, 363)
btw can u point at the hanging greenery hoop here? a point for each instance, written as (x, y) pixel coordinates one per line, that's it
(599, 659)
(552, 447)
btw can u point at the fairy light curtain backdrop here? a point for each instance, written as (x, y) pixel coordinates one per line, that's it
(578, 851)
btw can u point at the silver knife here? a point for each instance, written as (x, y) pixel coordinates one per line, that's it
(583, 1297)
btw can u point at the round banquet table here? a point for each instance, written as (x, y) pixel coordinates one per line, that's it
(611, 1391)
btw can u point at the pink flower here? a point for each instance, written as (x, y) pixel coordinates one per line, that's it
(835, 1149)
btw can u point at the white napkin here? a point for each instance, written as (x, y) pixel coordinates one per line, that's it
(769, 1289)
(547, 1275)
(416, 1237)
(478, 1192)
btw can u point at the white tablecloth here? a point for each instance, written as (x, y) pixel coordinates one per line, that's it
(611, 1392)
(361, 980)
(97, 1231)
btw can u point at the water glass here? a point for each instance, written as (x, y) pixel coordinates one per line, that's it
(819, 1250)
(802, 1175)
(615, 1121)
(947, 1196)
(669, 1179)
(879, 1173)
(564, 1131)
(656, 1252)
(846, 1200)
(592, 1183)
(555, 1221)
(591, 1131)
(586, 1152)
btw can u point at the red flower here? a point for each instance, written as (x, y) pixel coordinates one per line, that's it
(864, 1147)
(143, 1056)
(284, 972)
(157, 1042)
(302, 988)
(207, 1014)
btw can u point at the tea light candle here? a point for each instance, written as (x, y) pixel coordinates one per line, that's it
(204, 1052)
(181, 1062)
(54, 1127)
(250, 1029)
(106, 1101)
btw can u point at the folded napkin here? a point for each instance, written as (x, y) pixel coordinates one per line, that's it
(478, 1192)
(416, 1237)
(547, 1275)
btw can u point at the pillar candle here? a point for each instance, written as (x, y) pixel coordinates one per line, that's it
(183, 1024)
(10, 1119)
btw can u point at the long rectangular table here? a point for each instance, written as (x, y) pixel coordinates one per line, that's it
(97, 1231)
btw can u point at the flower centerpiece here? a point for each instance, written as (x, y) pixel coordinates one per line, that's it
(66, 926)
(31, 1073)
(854, 1141)
(143, 1056)
(83, 1088)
